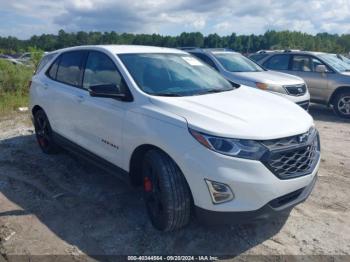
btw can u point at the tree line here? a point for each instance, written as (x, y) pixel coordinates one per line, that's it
(242, 43)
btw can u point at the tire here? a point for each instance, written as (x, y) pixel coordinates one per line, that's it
(166, 192)
(341, 104)
(43, 133)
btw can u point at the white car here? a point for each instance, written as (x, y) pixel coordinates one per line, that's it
(168, 122)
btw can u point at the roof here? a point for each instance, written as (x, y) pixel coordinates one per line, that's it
(223, 52)
(126, 49)
(291, 52)
(206, 50)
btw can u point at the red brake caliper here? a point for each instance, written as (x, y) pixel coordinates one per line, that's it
(147, 184)
(42, 141)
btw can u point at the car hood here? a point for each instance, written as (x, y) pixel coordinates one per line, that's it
(268, 77)
(241, 113)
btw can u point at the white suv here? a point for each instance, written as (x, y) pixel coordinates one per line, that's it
(167, 121)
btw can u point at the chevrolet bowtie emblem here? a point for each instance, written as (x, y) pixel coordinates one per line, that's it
(303, 138)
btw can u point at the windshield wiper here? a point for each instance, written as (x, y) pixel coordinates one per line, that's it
(167, 94)
(212, 91)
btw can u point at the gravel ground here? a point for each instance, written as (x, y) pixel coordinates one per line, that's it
(61, 205)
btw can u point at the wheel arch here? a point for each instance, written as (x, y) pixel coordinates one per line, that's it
(337, 91)
(135, 163)
(36, 108)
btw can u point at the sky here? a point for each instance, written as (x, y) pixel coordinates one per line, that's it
(24, 18)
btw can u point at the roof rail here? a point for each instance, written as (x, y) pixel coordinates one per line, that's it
(219, 49)
(204, 49)
(188, 47)
(269, 51)
(291, 50)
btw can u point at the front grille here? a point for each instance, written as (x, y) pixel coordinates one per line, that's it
(292, 157)
(296, 90)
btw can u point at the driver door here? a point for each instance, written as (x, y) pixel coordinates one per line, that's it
(101, 123)
(305, 67)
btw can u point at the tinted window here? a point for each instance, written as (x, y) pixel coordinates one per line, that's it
(70, 67)
(173, 74)
(205, 59)
(44, 62)
(53, 70)
(101, 70)
(278, 62)
(257, 57)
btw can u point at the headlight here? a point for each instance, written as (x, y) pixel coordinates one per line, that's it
(270, 87)
(229, 146)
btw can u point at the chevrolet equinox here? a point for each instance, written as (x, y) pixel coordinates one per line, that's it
(164, 120)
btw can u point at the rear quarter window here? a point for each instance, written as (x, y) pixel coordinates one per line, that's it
(44, 61)
(52, 71)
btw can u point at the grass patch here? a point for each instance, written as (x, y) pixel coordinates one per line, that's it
(14, 81)
(11, 101)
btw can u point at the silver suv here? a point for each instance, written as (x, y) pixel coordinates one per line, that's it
(327, 76)
(241, 70)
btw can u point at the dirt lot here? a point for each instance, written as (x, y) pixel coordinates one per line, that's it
(61, 205)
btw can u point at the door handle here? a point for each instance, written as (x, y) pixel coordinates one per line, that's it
(80, 98)
(46, 86)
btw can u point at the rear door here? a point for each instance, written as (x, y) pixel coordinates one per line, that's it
(305, 67)
(64, 84)
(278, 62)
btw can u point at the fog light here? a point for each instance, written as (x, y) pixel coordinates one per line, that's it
(219, 192)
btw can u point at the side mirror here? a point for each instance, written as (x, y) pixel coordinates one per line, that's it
(321, 69)
(107, 91)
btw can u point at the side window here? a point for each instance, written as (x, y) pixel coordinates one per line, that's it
(301, 63)
(205, 59)
(315, 62)
(52, 72)
(101, 70)
(69, 68)
(257, 57)
(278, 62)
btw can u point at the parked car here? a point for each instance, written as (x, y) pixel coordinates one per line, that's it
(239, 69)
(26, 58)
(164, 120)
(10, 59)
(327, 76)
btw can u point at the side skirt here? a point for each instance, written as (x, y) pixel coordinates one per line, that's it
(91, 157)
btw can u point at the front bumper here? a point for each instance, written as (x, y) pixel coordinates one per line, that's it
(274, 208)
(251, 182)
(303, 100)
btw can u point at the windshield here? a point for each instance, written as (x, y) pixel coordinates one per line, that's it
(234, 62)
(173, 74)
(344, 58)
(335, 62)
